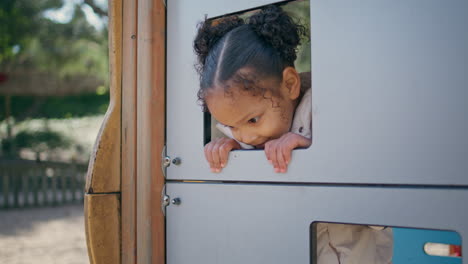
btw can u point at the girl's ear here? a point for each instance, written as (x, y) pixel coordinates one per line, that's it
(291, 84)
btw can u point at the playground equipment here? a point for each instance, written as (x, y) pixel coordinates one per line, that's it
(390, 119)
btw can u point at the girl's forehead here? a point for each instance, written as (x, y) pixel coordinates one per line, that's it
(235, 95)
(244, 87)
(227, 106)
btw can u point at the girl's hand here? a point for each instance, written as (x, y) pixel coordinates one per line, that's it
(278, 151)
(217, 152)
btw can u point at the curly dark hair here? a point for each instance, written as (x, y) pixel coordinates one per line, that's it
(267, 44)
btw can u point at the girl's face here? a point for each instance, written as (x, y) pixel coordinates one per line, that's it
(256, 119)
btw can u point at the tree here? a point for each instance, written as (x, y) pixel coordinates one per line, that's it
(39, 56)
(19, 20)
(61, 59)
(30, 42)
(37, 141)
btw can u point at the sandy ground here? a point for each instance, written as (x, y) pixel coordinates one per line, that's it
(43, 235)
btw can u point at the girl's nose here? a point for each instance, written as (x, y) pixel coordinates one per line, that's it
(245, 137)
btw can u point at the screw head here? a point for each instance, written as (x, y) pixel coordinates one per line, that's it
(176, 201)
(176, 161)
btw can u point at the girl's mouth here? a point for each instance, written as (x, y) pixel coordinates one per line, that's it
(260, 146)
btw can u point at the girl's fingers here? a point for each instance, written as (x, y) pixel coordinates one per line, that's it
(223, 154)
(267, 151)
(217, 152)
(273, 156)
(280, 164)
(208, 154)
(211, 154)
(288, 142)
(286, 151)
(280, 158)
(278, 152)
(288, 145)
(224, 150)
(215, 155)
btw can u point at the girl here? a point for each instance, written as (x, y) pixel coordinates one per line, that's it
(249, 84)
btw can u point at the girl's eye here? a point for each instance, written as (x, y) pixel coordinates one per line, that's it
(253, 120)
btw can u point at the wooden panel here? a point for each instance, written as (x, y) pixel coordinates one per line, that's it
(158, 130)
(102, 224)
(104, 166)
(129, 133)
(150, 130)
(102, 199)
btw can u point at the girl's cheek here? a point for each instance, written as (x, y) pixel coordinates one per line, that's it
(277, 131)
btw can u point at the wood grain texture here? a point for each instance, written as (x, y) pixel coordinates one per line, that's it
(158, 131)
(150, 130)
(102, 199)
(104, 165)
(102, 226)
(129, 118)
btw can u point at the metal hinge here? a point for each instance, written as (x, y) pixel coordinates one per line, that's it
(165, 161)
(165, 200)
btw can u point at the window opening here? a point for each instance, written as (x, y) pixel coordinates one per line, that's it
(260, 92)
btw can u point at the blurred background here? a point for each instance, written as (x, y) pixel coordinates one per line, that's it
(53, 97)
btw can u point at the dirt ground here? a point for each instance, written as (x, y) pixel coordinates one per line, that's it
(43, 235)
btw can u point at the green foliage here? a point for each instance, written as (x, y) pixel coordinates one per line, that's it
(30, 43)
(41, 140)
(72, 48)
(37, 141)
(23, 107)
(300, 10)
(29, 40)
(19, 20)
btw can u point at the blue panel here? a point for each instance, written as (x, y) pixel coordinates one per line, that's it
(409, 246)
